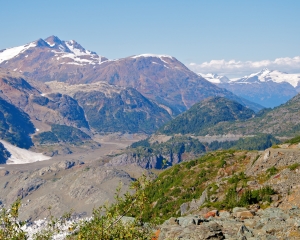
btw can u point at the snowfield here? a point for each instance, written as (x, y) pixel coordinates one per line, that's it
(10, 53)
(22, 156)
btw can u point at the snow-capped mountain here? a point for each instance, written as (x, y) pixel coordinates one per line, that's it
(214, 78)
(267, 75)
(268, 88)
(159, 77)
(68, 52)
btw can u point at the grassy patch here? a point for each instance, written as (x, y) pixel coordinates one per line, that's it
(271, 171)
(294, 166)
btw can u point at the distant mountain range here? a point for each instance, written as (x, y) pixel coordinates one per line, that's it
(68, 91)
(161, 78)
(269, 88)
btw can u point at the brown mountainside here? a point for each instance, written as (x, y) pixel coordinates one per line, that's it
(99, 107)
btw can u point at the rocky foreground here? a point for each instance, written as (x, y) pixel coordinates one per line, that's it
(241, 223)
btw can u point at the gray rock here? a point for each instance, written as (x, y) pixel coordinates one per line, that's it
(185, 221)
(274, 213)
(239, 209)
(195, 204)
(30, 186)
(184, 208)
(208, 231)
(245, 232)
(224, 214)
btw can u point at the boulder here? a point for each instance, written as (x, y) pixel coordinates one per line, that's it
(184, 208)
(244, 215)
(244, 232)
(224, 214)
(239, 209)
(212, 213)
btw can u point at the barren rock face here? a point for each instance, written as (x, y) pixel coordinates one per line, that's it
(279, 157)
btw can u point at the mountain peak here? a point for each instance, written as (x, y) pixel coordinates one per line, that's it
(264, 71)
(76, 48)
(40, 43)
(53, 40)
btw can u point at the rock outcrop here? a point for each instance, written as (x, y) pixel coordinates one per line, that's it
(270, 223)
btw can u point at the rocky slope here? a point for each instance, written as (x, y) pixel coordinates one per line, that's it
(128, 111)
(151, 154)
(159, 77)
(109, 108)
(242, 223)
(227, 196)
(63, 185)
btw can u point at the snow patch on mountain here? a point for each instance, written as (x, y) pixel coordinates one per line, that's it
(214, 78)
(50, 44)
(161, 57)
(63, 49)
(77, 59)
(72, 89)
(10, 53)
(152, 55)
(22, 156)
(77, 49)
(266, 75)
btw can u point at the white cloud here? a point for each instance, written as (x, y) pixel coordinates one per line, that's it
(233, 68)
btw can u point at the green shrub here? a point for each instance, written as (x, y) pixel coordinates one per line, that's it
(275, 146)
(271, 171)
(190, 164)
(237, 178)
(10, 227)
(294, 166)
(248, 197)
(293, 140)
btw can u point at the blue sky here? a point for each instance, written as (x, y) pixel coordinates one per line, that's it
(234, 34)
